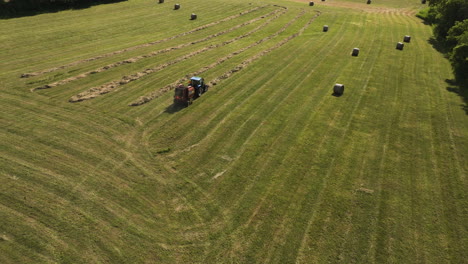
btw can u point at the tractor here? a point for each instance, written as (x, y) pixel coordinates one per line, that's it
(186, 94)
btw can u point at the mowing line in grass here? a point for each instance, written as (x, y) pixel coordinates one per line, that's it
(27, 75)
(106, 88)
(245, 63)
(155, 53)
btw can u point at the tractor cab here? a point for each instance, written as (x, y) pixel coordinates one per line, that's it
(196, 82)
(199, 84)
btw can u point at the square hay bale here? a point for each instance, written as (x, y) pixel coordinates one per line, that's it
(407, 38)
(338, 89)
(400, 46)
(176, 6)
(325, 28)
(355, 52)
(311, 3)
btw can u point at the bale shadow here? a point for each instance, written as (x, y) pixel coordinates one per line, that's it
(337, 94)
(174, 108)
(461, 90)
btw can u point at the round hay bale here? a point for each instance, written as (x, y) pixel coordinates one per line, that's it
(323, 0)
(400, 46)
(423, 2)
(338, 89)
(193, 16)
(355, 52)
(311, 3)
(369, 2)
(161, 1)
(407, 38)
(176, 6)
(325, 28)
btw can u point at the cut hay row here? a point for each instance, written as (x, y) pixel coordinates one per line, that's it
(156, 94)
(106, 88)
(155, 53)
(32, 74)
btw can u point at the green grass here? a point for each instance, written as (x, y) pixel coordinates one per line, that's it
(266, 167)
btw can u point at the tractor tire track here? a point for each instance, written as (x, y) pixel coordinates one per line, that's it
(153, 54)
(32, 74)
(245, 63)
(106, 88)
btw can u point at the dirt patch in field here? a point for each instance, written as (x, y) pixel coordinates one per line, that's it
(27, 75)
(364, 7)
(152, 54)
(156, 94)
(106, 88)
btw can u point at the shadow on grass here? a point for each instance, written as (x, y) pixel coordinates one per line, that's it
(174, 108)
(440, 46)
(10, 11)
(337, 94)
(460, 90)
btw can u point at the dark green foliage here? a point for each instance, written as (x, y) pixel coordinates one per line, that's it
(459, 62)
(448, 13)
(450, 20)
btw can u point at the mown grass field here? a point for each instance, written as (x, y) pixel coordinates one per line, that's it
(266, 167)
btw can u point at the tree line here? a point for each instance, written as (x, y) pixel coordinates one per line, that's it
(450, 25)
(10, 8)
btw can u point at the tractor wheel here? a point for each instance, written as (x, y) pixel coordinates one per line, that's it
(199, 92)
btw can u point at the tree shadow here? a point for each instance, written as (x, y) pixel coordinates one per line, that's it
(461, 90)
(8, 11)
(438, 45)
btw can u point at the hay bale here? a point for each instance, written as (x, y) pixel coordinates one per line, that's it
(355, 52)
(193, 16)
(338, 89)
(400, 46)
(369, 2)
(423, 2)
(407, 38)
(176, 6)
(161, 1)
(325, 28)
(311, 3)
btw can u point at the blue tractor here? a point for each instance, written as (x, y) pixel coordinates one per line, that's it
(186, 94)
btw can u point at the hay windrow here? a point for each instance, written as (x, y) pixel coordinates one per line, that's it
(32, 74)
(106, 88)
(147, 98)
(154, 53)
